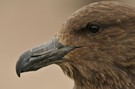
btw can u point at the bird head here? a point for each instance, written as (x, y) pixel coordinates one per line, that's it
(95, 47)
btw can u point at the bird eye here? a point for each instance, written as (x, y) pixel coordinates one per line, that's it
(93, 28)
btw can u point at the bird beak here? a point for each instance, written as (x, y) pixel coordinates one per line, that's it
(36, 58)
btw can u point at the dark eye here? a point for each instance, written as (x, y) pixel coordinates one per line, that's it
(93, 28)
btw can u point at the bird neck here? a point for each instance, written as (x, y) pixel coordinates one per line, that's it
(96, 77)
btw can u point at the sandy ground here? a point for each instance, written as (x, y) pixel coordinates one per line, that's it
(25, 24)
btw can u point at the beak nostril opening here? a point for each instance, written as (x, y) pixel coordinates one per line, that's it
(36, 55)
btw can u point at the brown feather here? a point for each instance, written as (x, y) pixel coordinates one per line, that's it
(105, 60)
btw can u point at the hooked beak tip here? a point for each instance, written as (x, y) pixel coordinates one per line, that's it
(21, 62)
(18, 70)
(18, 74)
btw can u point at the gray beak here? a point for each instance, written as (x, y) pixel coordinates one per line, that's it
(50, 53)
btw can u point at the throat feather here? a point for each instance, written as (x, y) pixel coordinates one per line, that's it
(99, 77)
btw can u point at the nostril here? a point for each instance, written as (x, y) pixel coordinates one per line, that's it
(36, 55)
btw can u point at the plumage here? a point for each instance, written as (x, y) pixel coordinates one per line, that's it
(100, 39)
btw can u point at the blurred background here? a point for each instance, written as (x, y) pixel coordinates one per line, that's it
(25, 24)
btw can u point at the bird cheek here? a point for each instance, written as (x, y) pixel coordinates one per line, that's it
(76, 54)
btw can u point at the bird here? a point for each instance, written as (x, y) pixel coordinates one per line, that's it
(95, 47)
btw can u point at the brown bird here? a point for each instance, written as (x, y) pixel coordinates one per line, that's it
(95, 47)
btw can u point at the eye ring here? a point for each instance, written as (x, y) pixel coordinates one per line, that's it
(93, 28)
